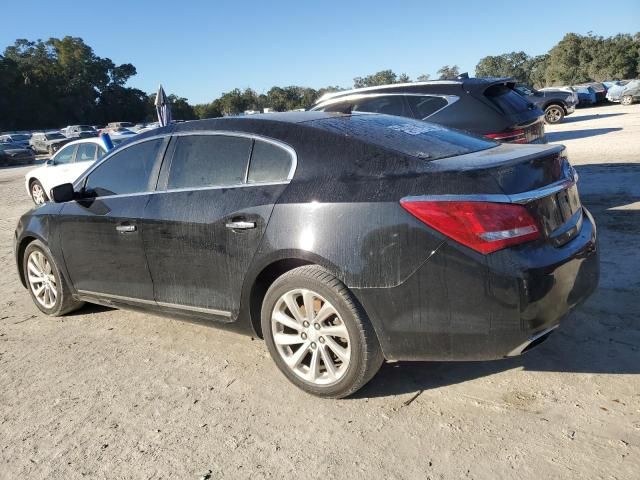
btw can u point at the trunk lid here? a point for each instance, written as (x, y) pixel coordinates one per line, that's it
(538, 177)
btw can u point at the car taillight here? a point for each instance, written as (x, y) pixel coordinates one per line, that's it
(483, 226)
(513, 136)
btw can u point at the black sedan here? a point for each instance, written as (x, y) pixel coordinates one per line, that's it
(342, 240)
(13, 154)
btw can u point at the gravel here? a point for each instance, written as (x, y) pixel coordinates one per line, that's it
(115, 394)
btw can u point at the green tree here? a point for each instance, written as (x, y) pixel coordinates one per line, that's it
(514, 64)
(423, 78)
(383, 77)
(448, 72)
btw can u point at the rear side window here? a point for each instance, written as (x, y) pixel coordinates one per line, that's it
(389, 105)
(506, 99)
(209, 161)
(86, 152)
(269, 163)
(126, 171)
(423, 106)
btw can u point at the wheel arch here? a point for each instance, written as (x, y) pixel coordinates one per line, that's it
(556, 103)
(22, 246)
(266, 272)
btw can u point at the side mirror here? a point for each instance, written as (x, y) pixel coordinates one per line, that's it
(62, 193)
(50, 162)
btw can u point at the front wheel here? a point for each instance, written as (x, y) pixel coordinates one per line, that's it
(553, 114)
(626, 100)
(38, 194)
(46, 285)
(318, 335)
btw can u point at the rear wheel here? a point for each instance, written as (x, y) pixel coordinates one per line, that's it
(553, 114)
(318, 335)
(626, 100)
(38, 194)
(47, 286)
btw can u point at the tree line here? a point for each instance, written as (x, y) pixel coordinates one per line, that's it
(57, 82)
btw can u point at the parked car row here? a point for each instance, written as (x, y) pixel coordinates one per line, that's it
(342, 238)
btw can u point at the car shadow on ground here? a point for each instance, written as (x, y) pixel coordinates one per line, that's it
(575, 134)
(572, 119)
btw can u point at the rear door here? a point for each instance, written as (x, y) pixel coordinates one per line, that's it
(101, 235)
(202, 230)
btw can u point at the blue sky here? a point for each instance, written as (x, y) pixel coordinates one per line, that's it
(199, 49)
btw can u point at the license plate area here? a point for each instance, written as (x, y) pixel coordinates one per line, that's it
(559, 214)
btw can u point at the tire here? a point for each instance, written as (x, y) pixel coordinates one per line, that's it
(553, 114)
(38, 262)
(626, 100)
(342, 343)
(38, 195)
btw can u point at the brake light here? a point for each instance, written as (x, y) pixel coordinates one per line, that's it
(513, 136)
(483, 226)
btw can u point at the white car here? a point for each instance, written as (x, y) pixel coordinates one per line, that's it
(65, 166)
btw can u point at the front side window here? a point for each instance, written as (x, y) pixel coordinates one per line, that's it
(65, 155)
(208, 161)
(86, 152)
(269, 163)
(423, 106)
(127, 171)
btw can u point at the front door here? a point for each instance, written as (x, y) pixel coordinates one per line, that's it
(101, 234)
(201, 233)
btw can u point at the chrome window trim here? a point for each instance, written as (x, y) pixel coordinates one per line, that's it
(520, 198)
(292, 153)
(451, 99)
(213, 311)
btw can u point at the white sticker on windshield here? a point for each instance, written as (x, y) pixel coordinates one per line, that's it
(413, 129)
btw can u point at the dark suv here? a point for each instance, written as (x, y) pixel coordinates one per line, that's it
(556, 104)
(489, 107)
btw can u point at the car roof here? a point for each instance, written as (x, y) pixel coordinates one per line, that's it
(466, 83)
(265, 118)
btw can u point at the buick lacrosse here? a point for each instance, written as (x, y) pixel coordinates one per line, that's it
(342, 240)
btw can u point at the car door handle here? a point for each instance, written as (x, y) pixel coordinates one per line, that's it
(126, 228)
(241, 225)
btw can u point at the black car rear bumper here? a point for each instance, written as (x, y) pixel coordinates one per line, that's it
(459, 306)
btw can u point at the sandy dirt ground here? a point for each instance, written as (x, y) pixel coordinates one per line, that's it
(113, 394)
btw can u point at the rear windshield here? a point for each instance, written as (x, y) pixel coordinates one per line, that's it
(410, 137)
(506, 99)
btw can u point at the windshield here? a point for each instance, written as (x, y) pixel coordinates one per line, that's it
(86, 128)
(19, 137)
(416, 138)
(54, 136)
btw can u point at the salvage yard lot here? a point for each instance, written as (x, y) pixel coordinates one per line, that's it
(114, 394)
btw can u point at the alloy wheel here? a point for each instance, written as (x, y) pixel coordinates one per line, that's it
(37, 192)
(627, 100)
(42, 281)
(553, 115)
(311, 337)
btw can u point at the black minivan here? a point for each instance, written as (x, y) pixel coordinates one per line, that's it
(489, 107)
(343, 240)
